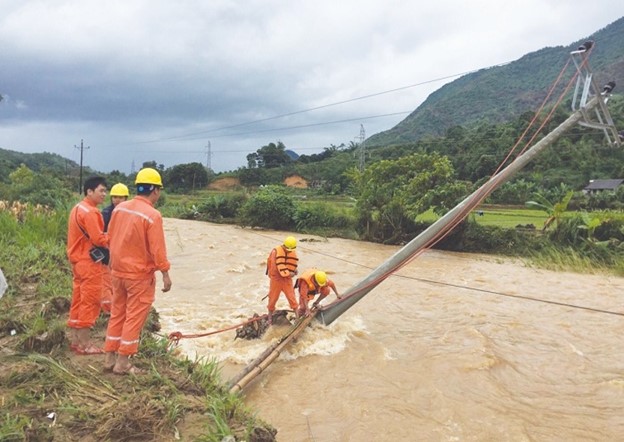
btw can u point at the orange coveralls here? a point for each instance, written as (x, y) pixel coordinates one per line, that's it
(281, 265)
(107, 290)
(308, 289)
(137, 251)
(107, 282)
(87, 275)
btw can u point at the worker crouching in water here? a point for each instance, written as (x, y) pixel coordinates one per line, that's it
(118, 193)
(311, 283)
(281, 267)
(137, 251)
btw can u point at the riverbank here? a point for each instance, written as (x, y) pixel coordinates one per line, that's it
(50, 394)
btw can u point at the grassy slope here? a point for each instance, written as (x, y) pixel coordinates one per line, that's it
(49, 394)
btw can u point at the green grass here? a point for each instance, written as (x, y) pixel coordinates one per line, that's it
(571, 260)
(499, 216)
(37, 375)
(510, 217)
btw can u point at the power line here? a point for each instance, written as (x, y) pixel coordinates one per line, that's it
(324, 106)
(421, 142)
(465, 287)
(303, 126)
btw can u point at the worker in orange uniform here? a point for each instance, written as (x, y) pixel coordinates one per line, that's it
(118, 193)
(281, 267)
(313, 282)
(85, 230)
(137, 251)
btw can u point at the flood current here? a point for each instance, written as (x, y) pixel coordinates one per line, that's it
(453, 347)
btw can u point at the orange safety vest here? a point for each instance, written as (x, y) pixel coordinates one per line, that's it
(285, 261)
(308, 278)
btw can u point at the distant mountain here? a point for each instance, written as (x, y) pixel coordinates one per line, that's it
(502, 93)
(292, 154)
(37, 162)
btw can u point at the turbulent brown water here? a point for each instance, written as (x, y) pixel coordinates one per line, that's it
(442, 351)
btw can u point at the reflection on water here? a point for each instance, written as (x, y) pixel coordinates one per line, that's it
(414, 360)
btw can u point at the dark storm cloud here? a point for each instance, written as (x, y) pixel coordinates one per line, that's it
(142, 79)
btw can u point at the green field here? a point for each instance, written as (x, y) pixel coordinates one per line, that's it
(510, 217)
(499, 216)
(487, 215)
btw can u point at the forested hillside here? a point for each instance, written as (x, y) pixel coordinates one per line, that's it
(37, 162)
(502, 93)
(580, 155)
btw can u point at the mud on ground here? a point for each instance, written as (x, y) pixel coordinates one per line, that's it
(50, 394)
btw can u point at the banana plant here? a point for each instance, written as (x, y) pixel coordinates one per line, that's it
(590, 224)
(554, 211)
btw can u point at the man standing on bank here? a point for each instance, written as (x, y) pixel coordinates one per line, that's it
(137, 251)
(118, 193)
(85, 230)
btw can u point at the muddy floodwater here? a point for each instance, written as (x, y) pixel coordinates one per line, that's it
(454, 347)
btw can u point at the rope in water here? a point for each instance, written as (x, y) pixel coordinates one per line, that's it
(175, 337)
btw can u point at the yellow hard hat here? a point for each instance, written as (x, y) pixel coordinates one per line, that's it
(290, 243)
(119, 189)
(148, 176)
(320, 278)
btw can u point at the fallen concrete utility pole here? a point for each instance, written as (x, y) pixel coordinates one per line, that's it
(256, 367)
(584, 114)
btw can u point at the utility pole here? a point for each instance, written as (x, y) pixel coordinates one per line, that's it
(82, 148)
(362, 148)
(208, 156)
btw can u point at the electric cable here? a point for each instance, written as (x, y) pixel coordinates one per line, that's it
(460, 286)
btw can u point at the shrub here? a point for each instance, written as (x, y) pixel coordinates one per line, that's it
(269, 207)
(35, 188)
(568, 233)
(315, 215)
(610, 229)
(219, 207)
(470, 236)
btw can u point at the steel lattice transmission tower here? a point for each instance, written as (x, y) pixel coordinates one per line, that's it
(209, 156)
(362, 152)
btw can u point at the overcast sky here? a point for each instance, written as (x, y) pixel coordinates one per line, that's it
(143, 80)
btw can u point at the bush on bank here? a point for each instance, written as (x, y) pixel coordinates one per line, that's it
(595, 237)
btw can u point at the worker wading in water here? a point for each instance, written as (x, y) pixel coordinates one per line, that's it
(313, 282)
(137, 251)
(84, 231)
(281, 267)
(118, 193)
